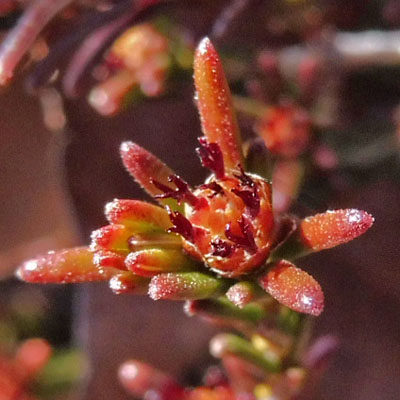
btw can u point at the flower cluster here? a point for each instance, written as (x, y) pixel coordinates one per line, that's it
(140, 56)
(219, 238)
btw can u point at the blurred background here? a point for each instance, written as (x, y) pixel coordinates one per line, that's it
(330, 70)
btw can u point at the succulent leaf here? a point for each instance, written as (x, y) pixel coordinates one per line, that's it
(64, 266)
(146, 167)
(112, 238)
(218, 119)
(329, 229)
(139, 216)
(186, 286)
(324, 231)
(150, 262)
(293, 288)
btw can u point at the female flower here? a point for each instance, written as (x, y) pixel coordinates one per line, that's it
(218, 238)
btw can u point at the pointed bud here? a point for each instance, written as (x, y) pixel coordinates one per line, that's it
(137, 215)
(293, 288)
(111, 237)
(139, 378)
(150, 262)
(146, 167)
(215, 104)
(186, 286)
(65, 266)
(126, 282)
(229, 344)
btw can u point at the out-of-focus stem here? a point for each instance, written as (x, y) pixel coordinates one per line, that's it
(228, 16)
(87, 52)
(24, 34)
(351, 50)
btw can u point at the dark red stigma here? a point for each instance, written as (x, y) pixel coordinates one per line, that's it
(181, 193)
(250, 199)
(247, 240)
(249, 195)
(217, 189)
(211, 157)
(221, 248)
(182, 225)
(244, 178)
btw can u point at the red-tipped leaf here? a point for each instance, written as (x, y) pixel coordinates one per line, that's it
(150, 262)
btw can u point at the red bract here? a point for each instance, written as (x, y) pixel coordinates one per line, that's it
(199, 239)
